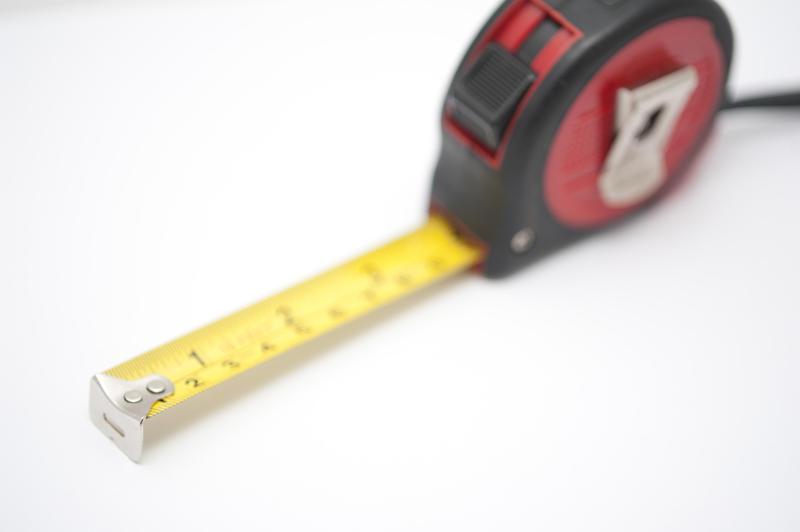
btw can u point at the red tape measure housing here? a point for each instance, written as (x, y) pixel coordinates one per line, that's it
(536, 129)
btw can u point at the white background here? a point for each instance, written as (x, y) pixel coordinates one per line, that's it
(165, 163)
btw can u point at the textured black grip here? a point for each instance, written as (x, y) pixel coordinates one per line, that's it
(485, 98)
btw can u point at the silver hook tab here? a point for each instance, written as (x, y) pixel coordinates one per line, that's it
(119, 407)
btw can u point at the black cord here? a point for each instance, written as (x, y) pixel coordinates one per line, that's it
(788, 99)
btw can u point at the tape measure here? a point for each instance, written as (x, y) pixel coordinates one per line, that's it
(564, 117)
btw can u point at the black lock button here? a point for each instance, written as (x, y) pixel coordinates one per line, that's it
(485, 98)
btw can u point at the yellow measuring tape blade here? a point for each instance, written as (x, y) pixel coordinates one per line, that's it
(263, 331)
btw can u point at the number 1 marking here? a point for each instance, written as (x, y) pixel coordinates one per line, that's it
(197, 357)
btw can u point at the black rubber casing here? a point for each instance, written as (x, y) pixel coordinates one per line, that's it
(493, 204)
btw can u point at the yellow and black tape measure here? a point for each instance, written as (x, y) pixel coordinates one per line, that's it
(123, 397)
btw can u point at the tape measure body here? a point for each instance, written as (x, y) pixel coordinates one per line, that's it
(538, 150)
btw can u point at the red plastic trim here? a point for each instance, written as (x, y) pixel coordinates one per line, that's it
(513, 34)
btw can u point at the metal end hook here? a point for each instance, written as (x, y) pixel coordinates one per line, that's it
(118, 408)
